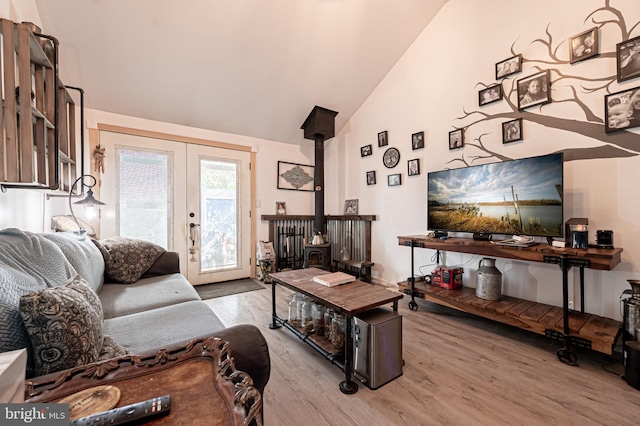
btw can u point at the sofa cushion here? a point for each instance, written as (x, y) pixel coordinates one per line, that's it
(64, 324)
(146, 332)
(145, 294)
(27, 263)
(126, 259)
(83, 255)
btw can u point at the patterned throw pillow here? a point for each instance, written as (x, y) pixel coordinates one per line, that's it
(64, 324)
(127, 259)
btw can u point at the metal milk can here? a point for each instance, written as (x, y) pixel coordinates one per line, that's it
(631, 315)
(489, 284)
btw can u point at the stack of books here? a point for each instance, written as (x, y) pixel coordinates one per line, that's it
(334, 279)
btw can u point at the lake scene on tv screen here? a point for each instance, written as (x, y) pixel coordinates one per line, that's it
(510, 197)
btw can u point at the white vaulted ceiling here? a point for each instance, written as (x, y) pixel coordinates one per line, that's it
(248, 67)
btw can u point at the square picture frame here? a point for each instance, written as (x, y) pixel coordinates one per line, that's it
(509, 66)
(490, 95)
(456, 139)
(371, 177)
(383, 138)
(534, 90)
(394, 179)
(281, 208)
(417, 140)
(512, 130)
(413, 167)
(628, 59)
(296, 177)
(366, 150)
(584, 46)
(622, 110)
(350, 206)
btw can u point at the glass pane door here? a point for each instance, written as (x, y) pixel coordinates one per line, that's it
(218, 200)
(219, 214)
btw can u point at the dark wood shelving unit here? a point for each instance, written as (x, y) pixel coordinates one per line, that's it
(573, 327)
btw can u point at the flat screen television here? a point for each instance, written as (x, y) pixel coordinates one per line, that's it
(514, 197)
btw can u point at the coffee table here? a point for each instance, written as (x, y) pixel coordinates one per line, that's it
(349, 299)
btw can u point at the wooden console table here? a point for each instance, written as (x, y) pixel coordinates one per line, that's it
(572, 327)
(201, 378)
(350, 299)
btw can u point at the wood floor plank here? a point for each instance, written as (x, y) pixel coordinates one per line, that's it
(459, 370)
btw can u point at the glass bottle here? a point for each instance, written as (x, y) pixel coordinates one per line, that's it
(294, 317)
(317, 313)
(328, 317)
(307, 316)
(338, 329)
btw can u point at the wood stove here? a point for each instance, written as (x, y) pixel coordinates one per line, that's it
(317, 256)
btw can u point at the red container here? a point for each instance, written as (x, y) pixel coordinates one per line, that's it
(448, 277)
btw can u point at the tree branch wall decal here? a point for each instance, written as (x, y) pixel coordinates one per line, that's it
(570, 84)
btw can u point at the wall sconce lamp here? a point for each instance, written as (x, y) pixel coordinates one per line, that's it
(89, 202)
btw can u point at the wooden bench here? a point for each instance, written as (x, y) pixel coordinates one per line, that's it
(361, 269)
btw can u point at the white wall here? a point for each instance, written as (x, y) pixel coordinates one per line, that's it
(428, 89)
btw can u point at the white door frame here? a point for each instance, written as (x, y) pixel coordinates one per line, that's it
(102, 127)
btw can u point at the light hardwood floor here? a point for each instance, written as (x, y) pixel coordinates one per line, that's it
(459, 370)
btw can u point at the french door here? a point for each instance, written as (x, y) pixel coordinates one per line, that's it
(218, 201)
(193, 199)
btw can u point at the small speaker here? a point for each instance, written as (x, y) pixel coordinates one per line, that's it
(604, 239)
(482, 236)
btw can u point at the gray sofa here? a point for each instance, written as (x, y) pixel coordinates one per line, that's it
(159, 310)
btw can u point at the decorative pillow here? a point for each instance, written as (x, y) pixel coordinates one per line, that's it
(64, 324)
(127, 259)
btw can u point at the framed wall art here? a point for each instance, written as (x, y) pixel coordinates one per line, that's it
(394, 180)
(281, 207)
(583, 46)
(350, 206)
(391, 158)
(622, 110)
(383, 138)
(371, 177)
(628, 59)
(534, 90)
(413, 167)
(417, 140)
(365, 151)
(509, 67)
(512, 130)
(297, 177)
(490, 94)
(456, 139)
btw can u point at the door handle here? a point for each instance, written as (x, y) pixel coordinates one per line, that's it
(193, 233)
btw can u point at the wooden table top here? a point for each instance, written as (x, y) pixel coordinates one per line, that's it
(351, 298)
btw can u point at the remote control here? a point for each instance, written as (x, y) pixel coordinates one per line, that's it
(117, 416)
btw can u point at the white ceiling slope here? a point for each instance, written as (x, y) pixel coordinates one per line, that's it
(248, 67)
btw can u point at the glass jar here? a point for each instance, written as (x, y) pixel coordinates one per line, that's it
(338, 329)
(294, 316)
(328, 317)
(307, 318)
(317, 313)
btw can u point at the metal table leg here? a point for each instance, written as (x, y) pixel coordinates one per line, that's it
(412, 281)
(348, 386)
(274, 324)
(566, 355)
